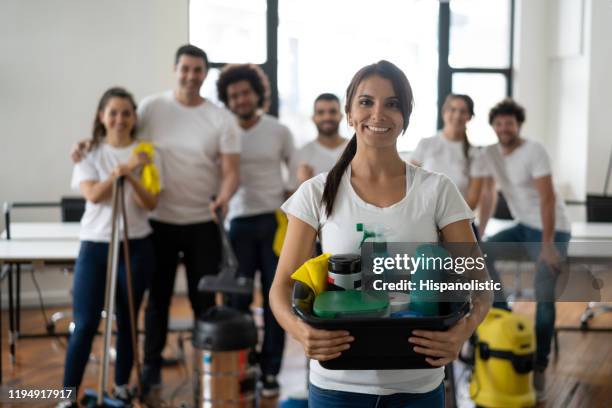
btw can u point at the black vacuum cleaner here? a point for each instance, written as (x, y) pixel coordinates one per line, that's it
(224, 340)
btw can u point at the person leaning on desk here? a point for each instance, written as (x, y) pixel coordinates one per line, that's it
(370, 183)
(521, 168)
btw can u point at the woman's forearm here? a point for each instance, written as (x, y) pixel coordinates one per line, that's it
(142, 196)
(280, 303)
(97, 191)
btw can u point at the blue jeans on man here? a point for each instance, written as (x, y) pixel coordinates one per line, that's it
(252, 238)
(544, 282)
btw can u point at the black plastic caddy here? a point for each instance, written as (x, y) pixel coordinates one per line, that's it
(381, 343)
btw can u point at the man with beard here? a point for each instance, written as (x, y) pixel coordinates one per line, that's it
(320, 155)
(267, 145)
(522, 169)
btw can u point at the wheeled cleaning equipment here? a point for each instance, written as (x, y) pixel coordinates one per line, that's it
(100, 398)
(224, 341)
(505, 347)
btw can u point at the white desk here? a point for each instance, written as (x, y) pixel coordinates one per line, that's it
(38, 251)
(44, 231)
(590, 240)
(581, 231)
(36, 243)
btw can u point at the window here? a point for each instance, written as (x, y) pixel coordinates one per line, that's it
(322, 43)
(307, 48)
(486, 90)
(229, 31)
(477, 35)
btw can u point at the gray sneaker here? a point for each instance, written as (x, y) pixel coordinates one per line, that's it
(539, 383)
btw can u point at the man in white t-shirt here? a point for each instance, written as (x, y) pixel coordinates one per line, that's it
(200, 145)
(321, 154)
(522, 170)
(267, 145)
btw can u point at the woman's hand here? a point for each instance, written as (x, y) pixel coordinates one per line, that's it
(121, 170)
(321, 345)
(442, 347)
(137, 160)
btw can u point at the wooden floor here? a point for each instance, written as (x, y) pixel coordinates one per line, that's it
(581, 377)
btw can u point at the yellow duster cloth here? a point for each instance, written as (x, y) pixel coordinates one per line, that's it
(150, 175)
(313, 273)
(281, 231)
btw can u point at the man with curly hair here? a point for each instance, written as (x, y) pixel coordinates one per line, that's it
(267, 146)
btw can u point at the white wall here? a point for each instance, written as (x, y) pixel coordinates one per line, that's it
(600, 96)
(562, 78)
(57, 58)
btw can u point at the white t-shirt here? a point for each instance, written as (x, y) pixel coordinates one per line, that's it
(265, 146)
(441, 155)
(515, 174)
(431, 202)
(319, 157)
(191, 140)
(98, 165)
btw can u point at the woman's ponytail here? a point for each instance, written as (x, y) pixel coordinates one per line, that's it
(334, 177)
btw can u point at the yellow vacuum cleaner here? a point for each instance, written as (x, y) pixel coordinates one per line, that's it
(505, 348)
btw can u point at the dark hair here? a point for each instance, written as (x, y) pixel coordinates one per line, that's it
(245, 72)
(403, 90)
(99, 131)
(327, 97)
(469, 102)
(508, 107)
(192, 51)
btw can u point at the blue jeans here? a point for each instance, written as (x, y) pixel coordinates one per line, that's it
(252, 238)
(544, 283)
(88, 293)
(321, 398)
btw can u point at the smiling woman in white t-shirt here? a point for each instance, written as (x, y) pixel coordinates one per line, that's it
(111, 156)
(371, 184)
(450, 153)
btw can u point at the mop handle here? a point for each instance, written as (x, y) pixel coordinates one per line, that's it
(607, 182)
(111, 284)
(130, 293)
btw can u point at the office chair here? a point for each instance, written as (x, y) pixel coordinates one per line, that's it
(72, 208)
(502, 212)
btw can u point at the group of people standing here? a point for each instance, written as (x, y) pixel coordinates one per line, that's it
(209, 158)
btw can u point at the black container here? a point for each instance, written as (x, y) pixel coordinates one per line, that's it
(381, 343)
(224, 329)
(344, 272)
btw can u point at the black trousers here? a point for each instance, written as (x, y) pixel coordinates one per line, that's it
(200, 247)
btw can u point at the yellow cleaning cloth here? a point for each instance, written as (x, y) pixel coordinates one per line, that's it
(313, 273)
(150, 175)
(281, 231)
